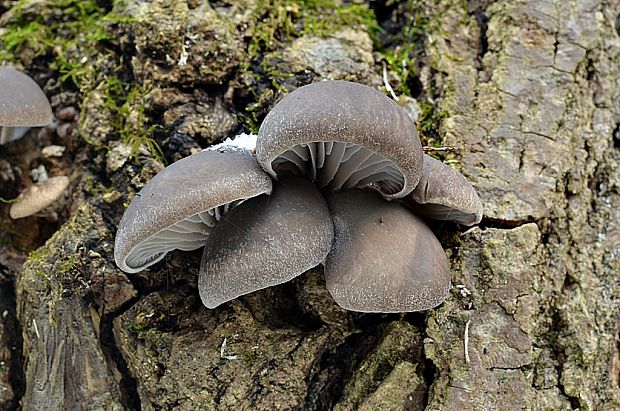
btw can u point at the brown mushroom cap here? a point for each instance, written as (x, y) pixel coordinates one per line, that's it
(22, 104)
(444, 194)
(266, 241)
(181, 204)
(342, 135)
(384, 258)
(38, 196)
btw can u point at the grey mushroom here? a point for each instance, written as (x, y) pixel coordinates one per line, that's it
(384, 258)
(180, 206)
(342, 135)
(22, 105)
(266, 241)
(444, 194)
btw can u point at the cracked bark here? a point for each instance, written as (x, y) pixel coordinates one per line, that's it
(531, 92)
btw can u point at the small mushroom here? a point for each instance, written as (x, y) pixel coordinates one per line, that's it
(444, 194)
(180, 206)
(38, 196)
(384, 259)
(22, 105)
(266, 241)
(342, 135)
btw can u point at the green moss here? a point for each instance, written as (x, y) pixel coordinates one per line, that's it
(277, 22)
(5, 201)
(402, 48)
(57, 266)
(327, 16)
(67, 31)
(35, 35)
(39, 261)
(125, 102)
(42, 256)
(137, 327)
(74, 35)
(429, 124)
(38, 258)
(249, 356)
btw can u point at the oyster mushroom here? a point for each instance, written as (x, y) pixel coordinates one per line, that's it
(266, 241)
(342, 135)
(38, 196)
(180, 206)
(22, 105)
(384, 258)
(444, 194)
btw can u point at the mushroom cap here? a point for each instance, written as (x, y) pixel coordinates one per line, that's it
(384, 258)
(22, 102)
(344, 135)
(266, 241)
(181, 204)
(444, 194)
(38, 196)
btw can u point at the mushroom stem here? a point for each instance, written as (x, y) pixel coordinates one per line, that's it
(8, 134)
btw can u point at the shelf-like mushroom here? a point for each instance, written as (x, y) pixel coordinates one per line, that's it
(266, 241)
(342, 135)
(38, 196)
(181, 205)
(384, 258)
(444, 194)
(22, 105)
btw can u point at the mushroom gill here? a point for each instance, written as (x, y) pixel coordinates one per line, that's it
(444, 194)
(180, 206)
(342, 135)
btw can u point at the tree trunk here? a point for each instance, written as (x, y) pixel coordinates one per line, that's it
(528, 91)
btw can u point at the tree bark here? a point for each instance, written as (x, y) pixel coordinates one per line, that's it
(528, 90)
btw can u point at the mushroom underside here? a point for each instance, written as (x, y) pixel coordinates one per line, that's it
(185, 235)
(444, 194)
(8, 134)
(442, 212)
(340, 165)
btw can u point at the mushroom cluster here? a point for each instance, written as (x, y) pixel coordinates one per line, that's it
(332, 178)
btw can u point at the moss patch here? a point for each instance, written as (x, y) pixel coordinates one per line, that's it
(75, 39)
(277, 22)
(125, 101)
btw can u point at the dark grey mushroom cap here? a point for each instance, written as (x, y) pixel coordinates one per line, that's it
(444, 194)
(377, 134)
(181, 204)
(22, 102)
(384, 258)
(266, 241)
